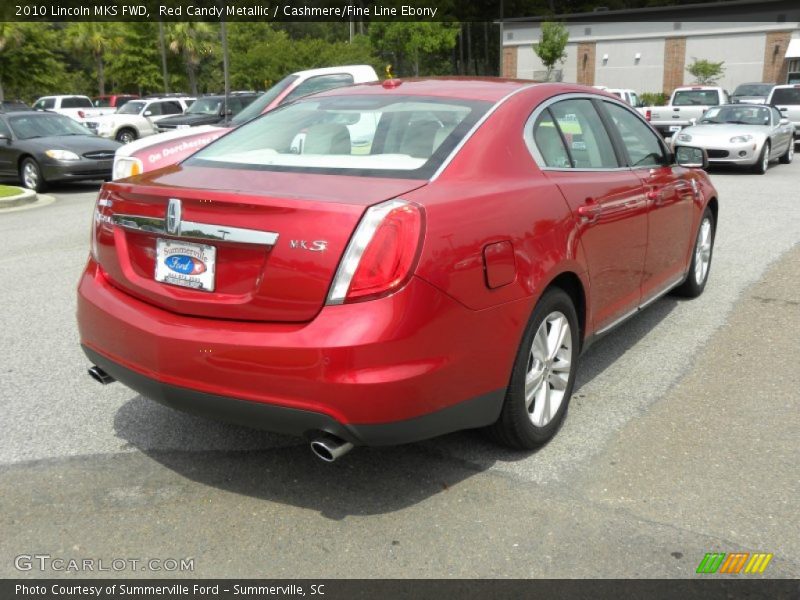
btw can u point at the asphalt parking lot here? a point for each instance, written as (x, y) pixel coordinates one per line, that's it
(681, 440)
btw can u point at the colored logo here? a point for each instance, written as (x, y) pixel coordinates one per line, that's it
(185, 265)
(734, 563)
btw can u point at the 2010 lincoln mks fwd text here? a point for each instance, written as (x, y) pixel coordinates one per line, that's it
(443, 273)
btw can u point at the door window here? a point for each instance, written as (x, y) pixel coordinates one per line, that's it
(4, 130)
(549, 142)
(587, 140)
(45, 104)
(76, 102)
(642, 144)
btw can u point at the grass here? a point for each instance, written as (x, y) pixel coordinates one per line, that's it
(8, 190)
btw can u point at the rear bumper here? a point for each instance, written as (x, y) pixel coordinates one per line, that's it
(410, 366)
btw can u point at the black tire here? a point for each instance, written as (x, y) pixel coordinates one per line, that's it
(30, 174)
(786, 157)
(515, 427)
(763, 161)
(694, 285)
(126, 135)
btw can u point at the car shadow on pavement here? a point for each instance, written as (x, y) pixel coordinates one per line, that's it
(366, 481)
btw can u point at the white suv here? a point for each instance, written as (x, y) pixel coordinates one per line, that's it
(786, 98)
(75, 107)
(136, 119)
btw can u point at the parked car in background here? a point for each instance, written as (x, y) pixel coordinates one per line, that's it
(208, 110)
(13, 105)
(786, 98)
(75, 107)
(741, 134)
(110, 103)
(627, 95)
(685, 104)
(403, 293)
(137, 118)
(41, 148)
(171, 147)
(752, 93)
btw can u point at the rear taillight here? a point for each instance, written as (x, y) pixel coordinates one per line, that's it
(648, 115)
(81, 114)
(101, 221)
(381, 255)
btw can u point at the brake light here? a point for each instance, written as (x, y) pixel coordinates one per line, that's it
(81, 114)
(101, 220)
(381, 254)
(648, 115)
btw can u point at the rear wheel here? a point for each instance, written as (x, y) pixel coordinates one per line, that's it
(543, 375)
(763, 160)
(30, 174)
(789, 154)
(697, 277)
(126, 136)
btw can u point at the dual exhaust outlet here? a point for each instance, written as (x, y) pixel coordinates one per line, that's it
(326, 447)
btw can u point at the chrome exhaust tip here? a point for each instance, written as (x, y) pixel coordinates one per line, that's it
(100, 376)
(329, 447)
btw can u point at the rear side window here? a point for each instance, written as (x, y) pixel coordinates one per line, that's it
(786, 96)
(312, 85)
(76, 102)
(642, 145)
(696, 98)
(171, 108)
(587, 139)
(548, 140)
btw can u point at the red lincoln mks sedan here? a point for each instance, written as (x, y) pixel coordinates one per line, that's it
(390, 262)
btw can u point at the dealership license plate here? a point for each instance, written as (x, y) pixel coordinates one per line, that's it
(674, 128)
(182, 127)
(185, 264)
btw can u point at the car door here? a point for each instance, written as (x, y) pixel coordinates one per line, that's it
(7, 152)
(574, 150)
(783, 134)
(669, 199)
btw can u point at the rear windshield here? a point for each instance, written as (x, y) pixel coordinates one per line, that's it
(696, 98)
(397, 136)
(752, 89)
(786, 96)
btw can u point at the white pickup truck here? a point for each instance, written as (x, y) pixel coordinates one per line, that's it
(75, 107)
(685, 104)
(786, 98)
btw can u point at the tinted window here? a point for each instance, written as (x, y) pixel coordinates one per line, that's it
(587, 138)
(102, 102)
(171, 108)
(786, 96)
(320, 83)
(45, 104)
(696, 98)
(4, 130)
(76, 102)
(752, 89)
(549, 142)
(642, 144)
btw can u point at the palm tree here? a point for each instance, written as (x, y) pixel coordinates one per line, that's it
(192, 41)
(97, 39)
(10, 34)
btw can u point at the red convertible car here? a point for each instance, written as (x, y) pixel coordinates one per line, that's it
(444, 274)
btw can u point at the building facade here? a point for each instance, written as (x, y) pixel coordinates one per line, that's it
(649, 50)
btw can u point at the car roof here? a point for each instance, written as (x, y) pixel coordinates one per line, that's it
(487, 89)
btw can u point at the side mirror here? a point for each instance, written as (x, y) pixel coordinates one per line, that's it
(3, 136)
(785, 121)
(148, 113)
(692, 122)
(691, 157)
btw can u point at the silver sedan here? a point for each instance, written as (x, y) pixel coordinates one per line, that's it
(743, 134)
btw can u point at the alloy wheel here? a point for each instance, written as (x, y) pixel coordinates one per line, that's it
(548, 371)
(702, 252)
(30, 176)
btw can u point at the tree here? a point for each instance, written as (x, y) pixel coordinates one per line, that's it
(96, 39)
(10, 35)
(425, 46)
(192, 40)
(135, 67)
(551, 45)
(705, 72)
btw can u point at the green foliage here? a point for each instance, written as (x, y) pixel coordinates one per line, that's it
(654, 98)
(139, 71)
(551, 45)
(415, 48)
(705, 71)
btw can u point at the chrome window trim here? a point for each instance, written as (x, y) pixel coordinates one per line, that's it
(191, 230)
(475, 128)
(534, 151)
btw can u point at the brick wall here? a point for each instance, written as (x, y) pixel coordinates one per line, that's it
(510, 62)
(674, 61)
(775, 64)
(586, 63)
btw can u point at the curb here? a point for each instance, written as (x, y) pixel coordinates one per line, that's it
(26, 197)
(40, 200)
